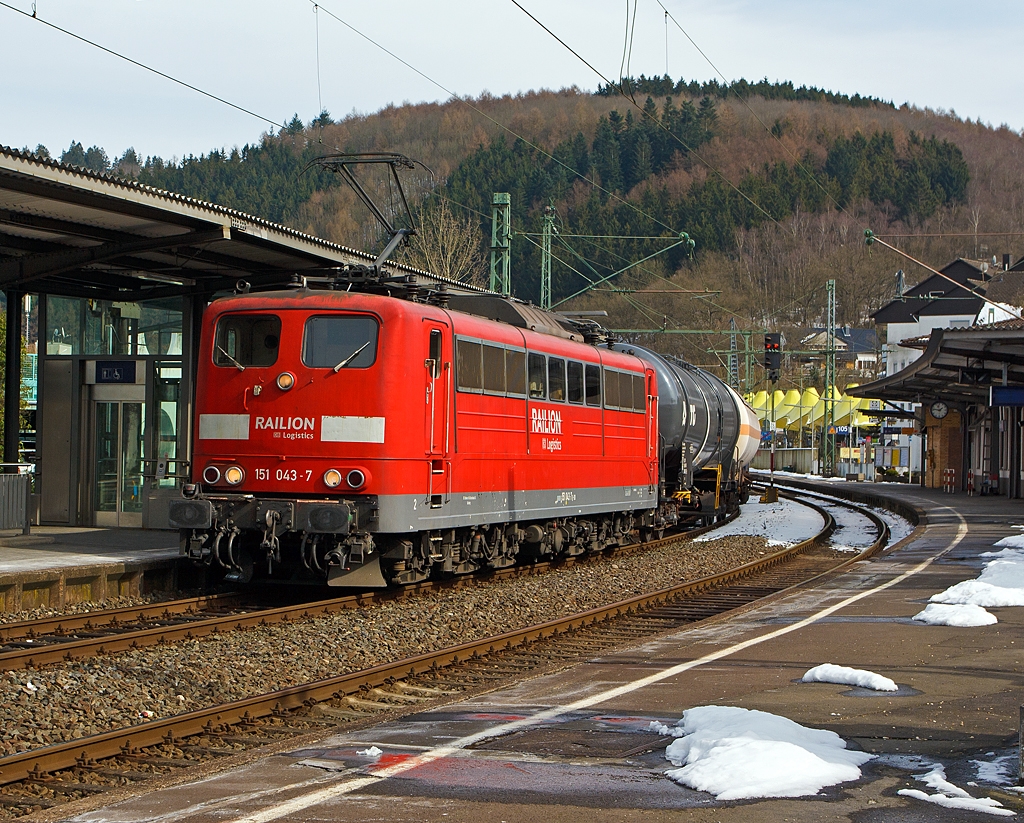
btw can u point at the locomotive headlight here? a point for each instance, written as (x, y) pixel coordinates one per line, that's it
(285, 380)
(332, 478)
(234, 475)
(355, 478)
(211, 475)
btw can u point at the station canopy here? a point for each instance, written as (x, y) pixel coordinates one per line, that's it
(958, 365)
(68, 231)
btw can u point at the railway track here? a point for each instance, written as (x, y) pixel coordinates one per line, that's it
(116, 760)
(65, 638)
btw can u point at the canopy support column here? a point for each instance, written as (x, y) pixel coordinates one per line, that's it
(12, 378)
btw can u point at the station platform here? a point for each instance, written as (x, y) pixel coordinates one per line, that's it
(57, 566)
(578, 746)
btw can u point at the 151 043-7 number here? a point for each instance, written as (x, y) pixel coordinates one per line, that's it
(285, 475)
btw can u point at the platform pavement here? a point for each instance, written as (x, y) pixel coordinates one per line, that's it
(960, 691)
(916, 495)
(56, 566)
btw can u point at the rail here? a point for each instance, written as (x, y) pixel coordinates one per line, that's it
(84, 752)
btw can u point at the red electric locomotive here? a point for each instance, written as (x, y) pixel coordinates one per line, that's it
(364, 439)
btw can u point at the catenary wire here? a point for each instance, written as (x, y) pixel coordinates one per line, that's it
(319, 92)
(648, 116)
(813, 178)
(134, 62)
(497, 123)
(271, 121)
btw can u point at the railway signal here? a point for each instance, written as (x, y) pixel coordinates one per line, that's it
(773, 355)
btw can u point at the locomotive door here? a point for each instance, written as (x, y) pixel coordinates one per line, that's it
(438, 411)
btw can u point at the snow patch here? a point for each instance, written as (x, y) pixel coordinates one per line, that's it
(998, 772)
(1000, 584)
(966, 616)
(736, 754)
(781, 524)
(844, 675)
(951, 796)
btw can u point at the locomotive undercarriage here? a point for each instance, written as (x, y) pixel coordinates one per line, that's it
(242, 537)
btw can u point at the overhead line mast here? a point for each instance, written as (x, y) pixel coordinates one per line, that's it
(501, 243)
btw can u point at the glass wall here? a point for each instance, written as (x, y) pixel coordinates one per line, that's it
(129, 435)
(167, 396)
(108, 328)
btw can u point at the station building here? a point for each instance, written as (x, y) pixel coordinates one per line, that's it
(116, 276)
(955, 367)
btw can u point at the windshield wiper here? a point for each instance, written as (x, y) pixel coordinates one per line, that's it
(229, 357)
(351, 357)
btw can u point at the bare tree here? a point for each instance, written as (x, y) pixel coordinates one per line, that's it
(448, 245)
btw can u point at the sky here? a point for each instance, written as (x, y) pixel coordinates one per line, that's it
(262, 55)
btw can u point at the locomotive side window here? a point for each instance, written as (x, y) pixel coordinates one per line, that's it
(611, 389)
(537, 376)
(626, 391)
(639, 396)
(469, 372)
(574, 381)
(494, 369)
(247, 340)
(339, 342)
(515, 372)
(556, 379)
(593, 385)
(435, 353)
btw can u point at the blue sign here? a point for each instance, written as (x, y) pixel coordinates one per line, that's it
(1006, 396)
(115, 371)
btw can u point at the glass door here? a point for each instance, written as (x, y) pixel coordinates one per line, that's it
(118, 450)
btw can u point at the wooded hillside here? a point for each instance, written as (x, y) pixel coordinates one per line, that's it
(775, 185)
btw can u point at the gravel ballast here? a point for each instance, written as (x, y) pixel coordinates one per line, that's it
(73, 700)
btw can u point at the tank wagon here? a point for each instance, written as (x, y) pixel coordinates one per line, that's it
(367, 439)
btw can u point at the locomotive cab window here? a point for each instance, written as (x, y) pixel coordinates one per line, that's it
(247, 340)
(340, 342)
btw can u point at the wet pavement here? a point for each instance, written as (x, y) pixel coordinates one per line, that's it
(577, 745)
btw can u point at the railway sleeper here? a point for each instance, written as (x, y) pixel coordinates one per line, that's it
(212, 751)
(67, 787)
(118, 774)
(29, 801)
(370, 706)
(335, 713)
(398, 698)
(423, 691)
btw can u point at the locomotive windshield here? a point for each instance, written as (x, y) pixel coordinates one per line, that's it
(247, 340)
(340, 342)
